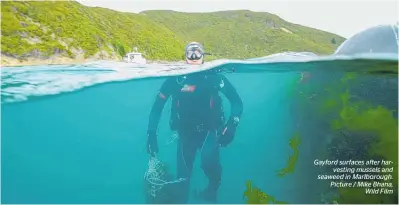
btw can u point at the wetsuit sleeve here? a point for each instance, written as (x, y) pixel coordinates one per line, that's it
(162, 97)
(231, 94)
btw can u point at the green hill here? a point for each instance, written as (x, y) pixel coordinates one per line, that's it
(245, 34)
(40, 30)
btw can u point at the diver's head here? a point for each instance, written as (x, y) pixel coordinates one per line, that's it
(194, 53)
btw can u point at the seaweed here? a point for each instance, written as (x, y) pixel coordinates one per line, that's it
(362, 127)
(256, 196)
(294, 143)
(357, 118)
(381, 122)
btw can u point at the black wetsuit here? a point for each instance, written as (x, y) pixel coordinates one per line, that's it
(197, 115)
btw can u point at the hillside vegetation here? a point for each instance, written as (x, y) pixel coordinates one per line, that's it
(245, 34)
(68, 29)
(41, 29)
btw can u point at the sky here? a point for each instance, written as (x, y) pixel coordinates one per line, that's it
(342, 17)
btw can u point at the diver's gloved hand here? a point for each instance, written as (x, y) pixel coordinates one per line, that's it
(228, 132)
(152, 143)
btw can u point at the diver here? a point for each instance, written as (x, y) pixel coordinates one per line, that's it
(197, 116)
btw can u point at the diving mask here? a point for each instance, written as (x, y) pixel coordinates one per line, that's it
(194, 52)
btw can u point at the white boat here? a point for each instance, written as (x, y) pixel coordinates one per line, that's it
(135, 57)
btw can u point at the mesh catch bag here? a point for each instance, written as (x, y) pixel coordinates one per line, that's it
(156, 179)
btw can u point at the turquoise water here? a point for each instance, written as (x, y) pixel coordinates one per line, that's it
(88, 146)
(76, 134)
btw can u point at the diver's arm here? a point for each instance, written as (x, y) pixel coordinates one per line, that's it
(228, 132)
(162, 97)
(231, 94)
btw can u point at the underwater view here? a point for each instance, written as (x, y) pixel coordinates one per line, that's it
(78, 133)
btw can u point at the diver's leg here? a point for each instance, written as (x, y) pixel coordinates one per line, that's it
(210, 164)
(186, 152)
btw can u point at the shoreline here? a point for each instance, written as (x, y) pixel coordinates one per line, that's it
(13, 62)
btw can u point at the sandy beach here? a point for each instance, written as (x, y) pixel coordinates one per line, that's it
(11, 62)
